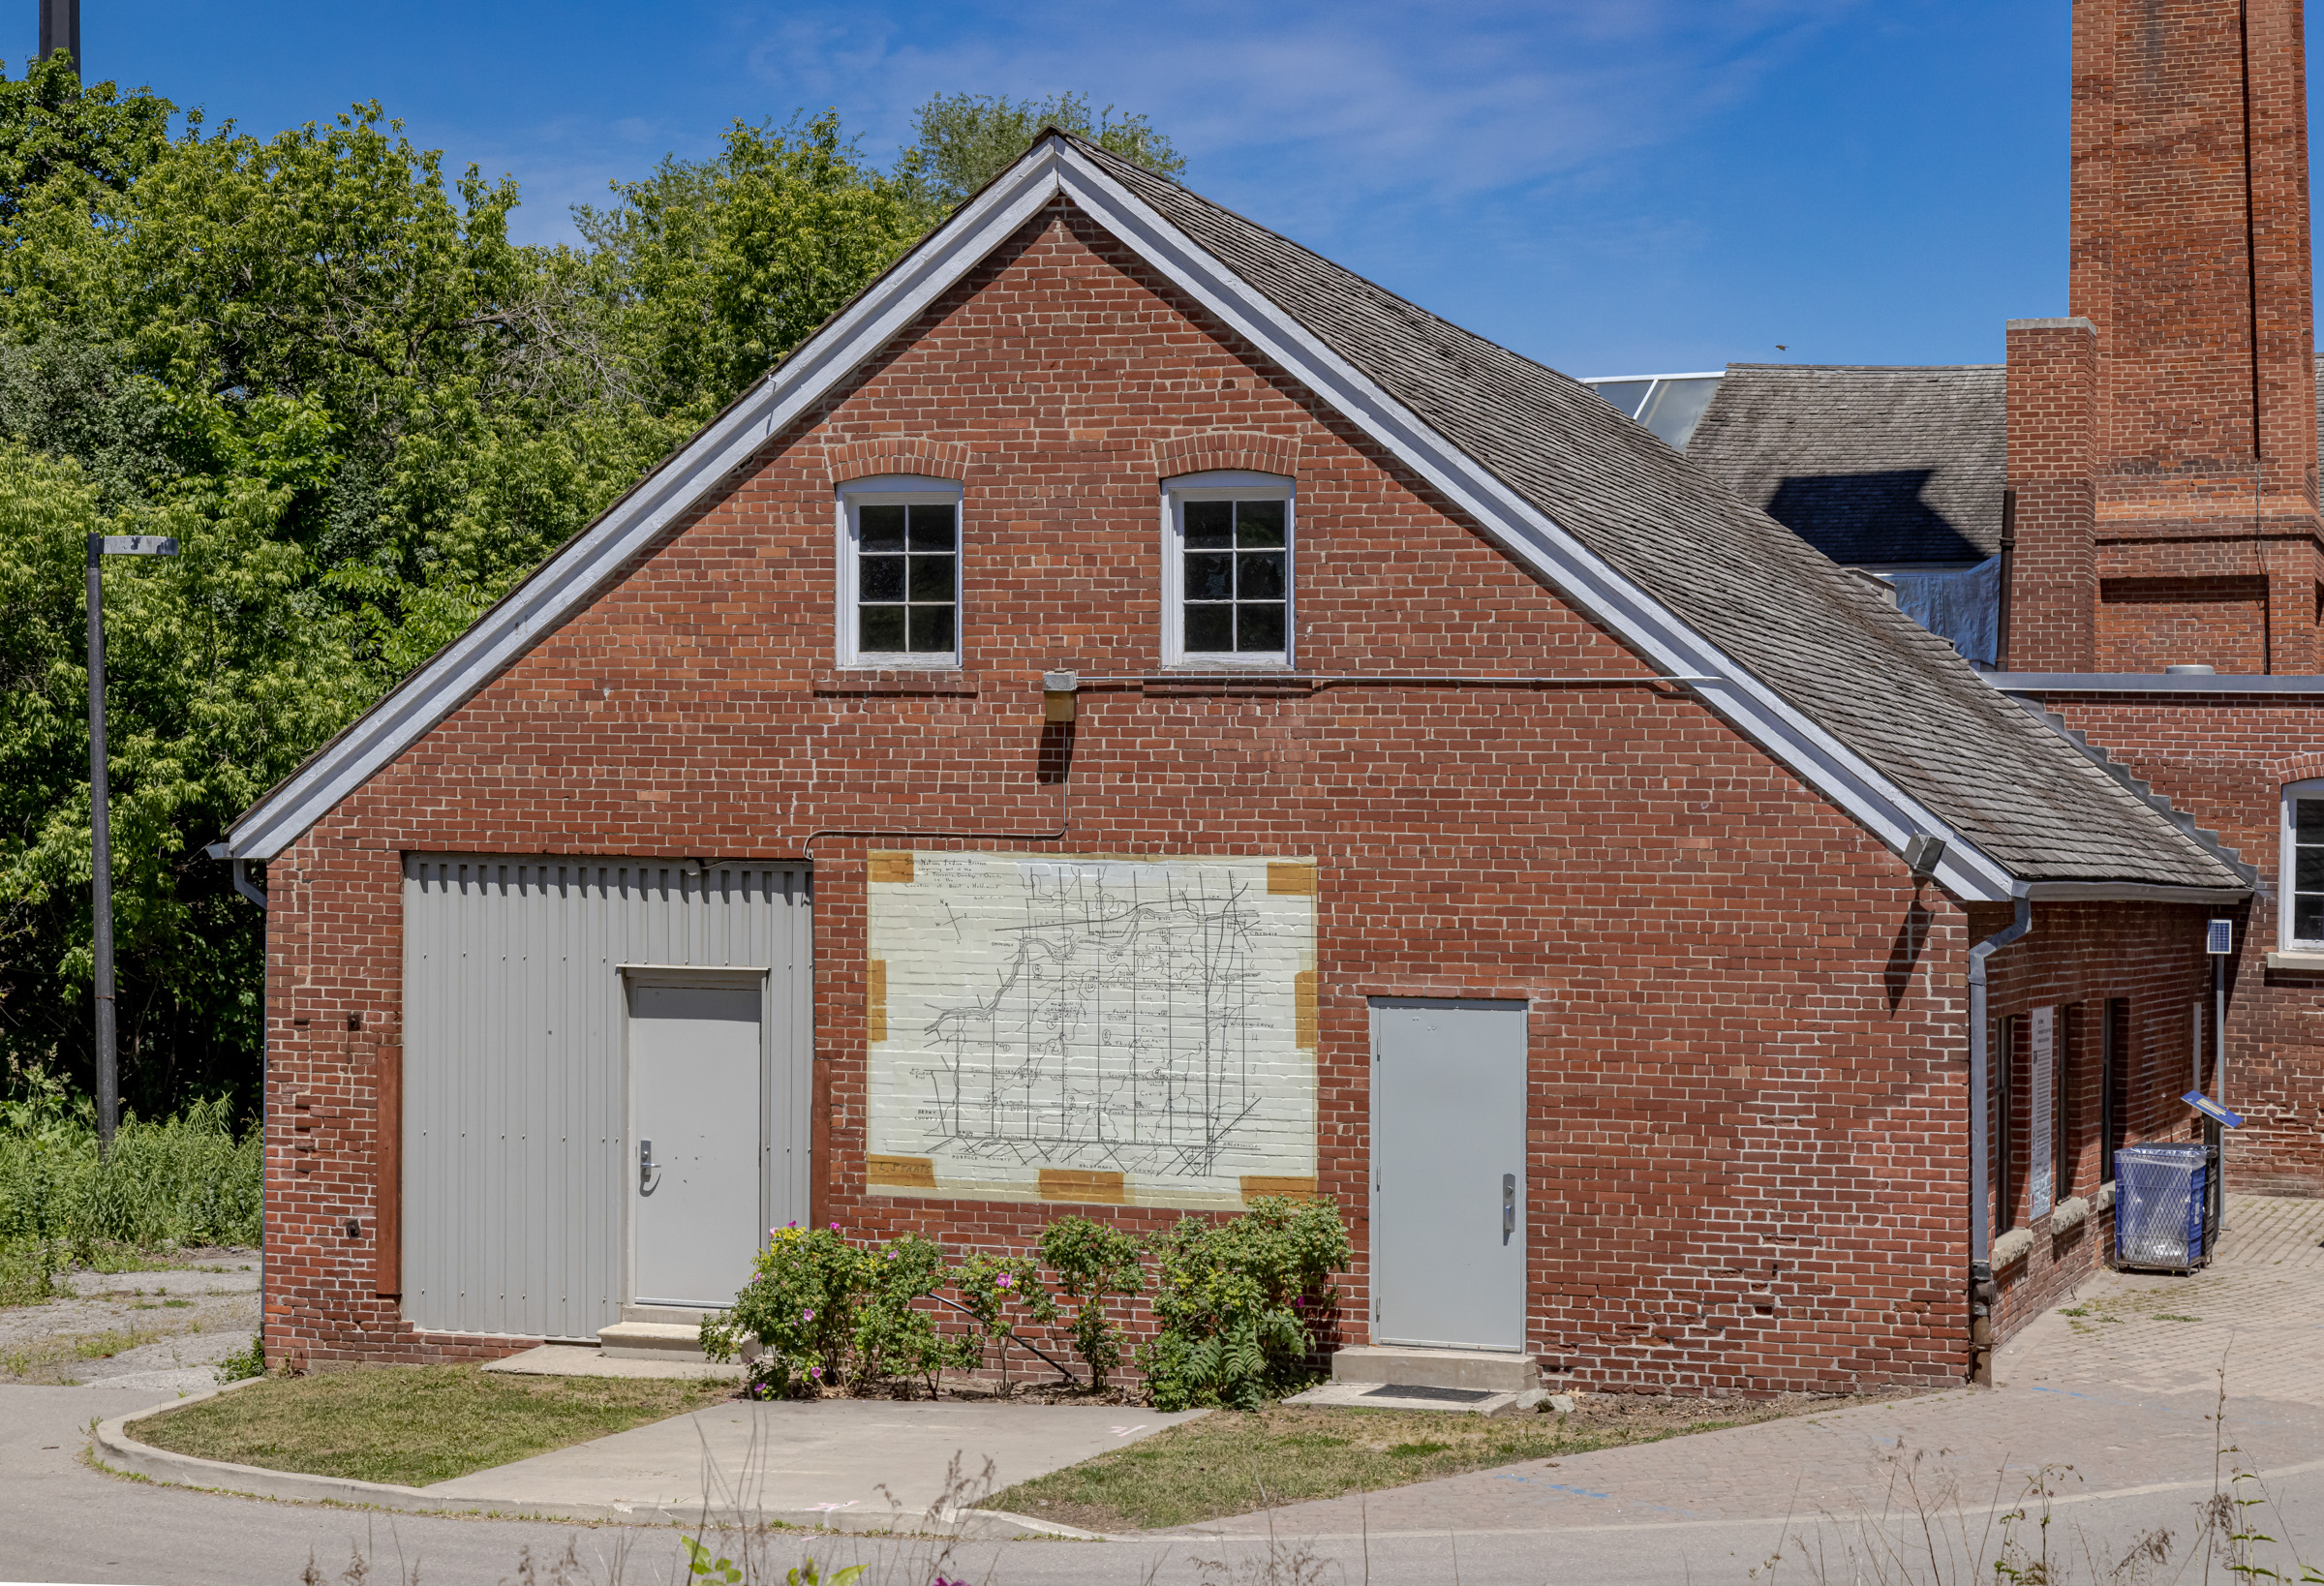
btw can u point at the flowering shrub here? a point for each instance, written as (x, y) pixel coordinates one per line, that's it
(992, 1288)
(801, 1302)
(1236, 1302)
(893, 1336)
(1094, 1263)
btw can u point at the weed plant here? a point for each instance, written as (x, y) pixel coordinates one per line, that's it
(189, 1179)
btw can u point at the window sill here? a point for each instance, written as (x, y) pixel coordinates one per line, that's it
(2310, 960)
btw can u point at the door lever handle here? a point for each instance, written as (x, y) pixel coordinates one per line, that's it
(1509, 1206)
(646, 1167)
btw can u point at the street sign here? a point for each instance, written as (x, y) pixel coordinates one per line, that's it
(2212, 1109)
(135, 545)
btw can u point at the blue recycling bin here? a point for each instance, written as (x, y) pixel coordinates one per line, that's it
(2158, 1203)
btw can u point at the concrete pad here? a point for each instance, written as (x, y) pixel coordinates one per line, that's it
(1401, 1396)
(581, 1360)
(851, 1464)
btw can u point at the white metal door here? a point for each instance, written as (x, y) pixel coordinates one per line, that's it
(1448, 1172)
(695, 1114)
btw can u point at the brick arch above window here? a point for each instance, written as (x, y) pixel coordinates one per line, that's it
(897, 454)
(2306, 768)
(1252, 451)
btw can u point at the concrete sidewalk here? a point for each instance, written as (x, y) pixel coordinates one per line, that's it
(851, 1464)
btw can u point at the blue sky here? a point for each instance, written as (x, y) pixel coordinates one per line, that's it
(1610, 186)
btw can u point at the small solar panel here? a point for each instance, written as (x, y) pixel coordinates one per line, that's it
(2221, 939)
(1447, 1395)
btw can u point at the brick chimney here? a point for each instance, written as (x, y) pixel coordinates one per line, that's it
(2162, 441)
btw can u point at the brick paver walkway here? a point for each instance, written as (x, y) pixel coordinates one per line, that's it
(2120, 1385)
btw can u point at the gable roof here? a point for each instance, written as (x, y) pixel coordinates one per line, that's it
(1866, 464)
(1802, 658)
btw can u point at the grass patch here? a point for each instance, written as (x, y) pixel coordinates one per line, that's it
(1216, 1466)
(36, 1361)
(413, 1425)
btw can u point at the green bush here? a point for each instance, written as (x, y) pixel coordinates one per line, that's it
(992, 1288)
(1236, 1302)
(1094, 1263)
(189, 1179)
(893, 1337)
(801, 1302)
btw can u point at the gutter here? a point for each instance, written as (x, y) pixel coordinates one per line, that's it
(2155, 682)
(1981, 1292)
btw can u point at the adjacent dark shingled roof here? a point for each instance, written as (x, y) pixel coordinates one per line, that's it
(1840, 651)
(1865, 464)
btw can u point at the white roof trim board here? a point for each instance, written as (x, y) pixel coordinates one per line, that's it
(582, 567)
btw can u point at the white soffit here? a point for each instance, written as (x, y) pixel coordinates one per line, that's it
(575, 573)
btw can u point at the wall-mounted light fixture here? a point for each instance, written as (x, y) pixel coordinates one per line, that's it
(1922, 852)
(1060, 693)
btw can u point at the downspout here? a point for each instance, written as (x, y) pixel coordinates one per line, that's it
(1981, 1292)
(257, 895)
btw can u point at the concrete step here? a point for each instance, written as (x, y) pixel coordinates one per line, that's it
(683, 1316)
(1463, 1368)
(1463, 1401)
(651, 1341)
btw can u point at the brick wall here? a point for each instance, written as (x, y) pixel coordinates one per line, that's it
(2224, 760)
(1747, 1042)
(2077, 960)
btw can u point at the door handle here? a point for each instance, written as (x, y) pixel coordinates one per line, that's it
(646, 1168)
(1509, 1206)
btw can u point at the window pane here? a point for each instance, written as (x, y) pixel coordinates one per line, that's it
(1210, 627)
(1626, 394)
(2308, 870)
(1258, 523)
(882, 528)
(880, 577)
(2307, 919)
(932, 578)
(1259, 628)
(931, 630)
(2312, 820)
(880, 630)
(1260, 575)
(1210, 575)
(1210, 523)
(932, 528)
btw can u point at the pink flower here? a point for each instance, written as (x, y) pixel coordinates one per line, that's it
(1003, 1281)
(816, 1372)
(807, 1315)
(834, 1228)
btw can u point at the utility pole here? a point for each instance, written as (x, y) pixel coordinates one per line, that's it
(60, 30)
(101, 836)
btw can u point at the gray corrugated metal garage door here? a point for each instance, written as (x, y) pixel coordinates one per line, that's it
(516, 1161)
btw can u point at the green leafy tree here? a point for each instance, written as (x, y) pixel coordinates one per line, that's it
(319, 359)
(710, 271)
(960, 141)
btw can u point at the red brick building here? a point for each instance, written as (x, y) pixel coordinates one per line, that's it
(1131, 716)
(2142, 478)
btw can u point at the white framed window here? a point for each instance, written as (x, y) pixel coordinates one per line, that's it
(2300, 883)
(900, 572)
(1227, 555)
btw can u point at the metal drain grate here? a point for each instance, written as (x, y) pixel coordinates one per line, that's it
(1449, 1395)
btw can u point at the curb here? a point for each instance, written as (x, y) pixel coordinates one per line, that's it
(118, 1450)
